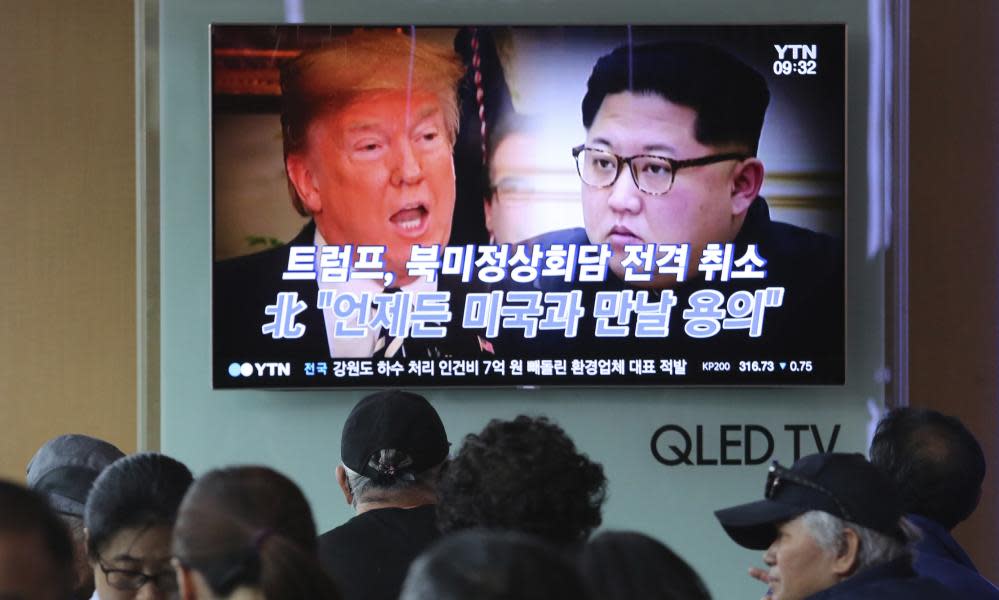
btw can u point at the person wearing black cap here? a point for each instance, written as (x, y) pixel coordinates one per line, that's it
(833, 528)
(63, 470)
(392, 448)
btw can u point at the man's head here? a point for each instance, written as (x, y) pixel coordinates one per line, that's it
(935, 462)
(63, 470)
(523, 475)
(369, 123)
(392, 448)
(625, 565)
(36, 553)
(663, 102)
(492, 565)
(513, 208)
(820, 522)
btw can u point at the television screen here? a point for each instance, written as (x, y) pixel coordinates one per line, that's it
(528, 206)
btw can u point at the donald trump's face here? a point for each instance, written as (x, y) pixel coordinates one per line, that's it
(379, 172)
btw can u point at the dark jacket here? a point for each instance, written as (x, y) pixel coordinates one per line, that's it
(369, 555)
(940, 557)
(891, 581)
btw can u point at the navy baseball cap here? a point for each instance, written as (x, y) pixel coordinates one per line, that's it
(847, 486)
(64, 469)
(393, 420)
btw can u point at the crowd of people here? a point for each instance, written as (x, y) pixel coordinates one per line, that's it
(509, 515)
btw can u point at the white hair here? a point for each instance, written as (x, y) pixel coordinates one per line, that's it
(365, 489)
(874, 548)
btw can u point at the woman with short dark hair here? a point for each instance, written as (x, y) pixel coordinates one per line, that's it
(247, 533)
(129, 519)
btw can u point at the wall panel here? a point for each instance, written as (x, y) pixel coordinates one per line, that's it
(67, 217)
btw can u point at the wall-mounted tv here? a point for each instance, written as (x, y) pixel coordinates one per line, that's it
(528, 206)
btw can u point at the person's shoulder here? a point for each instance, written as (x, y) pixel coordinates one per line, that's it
(789, 239)
(966, 582)
(795, 255)
(936, 542)
(778, 237)
(342, 552)
(250, 266)
(892, 581)
(243, 288)
(339, 539)
(250, 271)
(370, 518)
(918, 588)
(426, 514)
(912, 588)
(329, 537)
(939, 557)
(414, 526)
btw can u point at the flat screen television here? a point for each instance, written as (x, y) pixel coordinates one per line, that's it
(528, 206)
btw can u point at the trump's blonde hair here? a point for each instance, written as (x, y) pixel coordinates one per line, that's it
(327, 79)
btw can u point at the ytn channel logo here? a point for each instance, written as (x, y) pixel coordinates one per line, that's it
(268, 369)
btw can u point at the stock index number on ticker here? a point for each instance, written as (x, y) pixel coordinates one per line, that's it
(758, 366)
(796, 59)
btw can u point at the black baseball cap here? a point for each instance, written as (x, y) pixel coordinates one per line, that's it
(393, 420)
(65, 467)
(844, 485)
